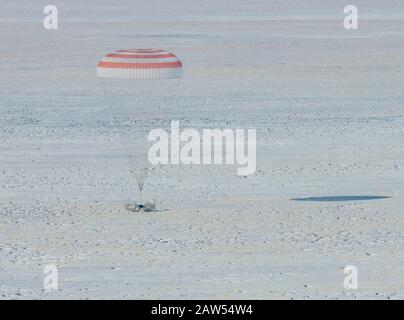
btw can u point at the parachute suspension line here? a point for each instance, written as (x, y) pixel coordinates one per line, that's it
(117, 125)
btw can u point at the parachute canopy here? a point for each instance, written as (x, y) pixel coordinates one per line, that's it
(140, 64)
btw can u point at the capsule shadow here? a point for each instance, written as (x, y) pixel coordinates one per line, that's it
(341, 198)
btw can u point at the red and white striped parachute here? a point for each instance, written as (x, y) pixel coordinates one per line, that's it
(140, 64)
(122, 76)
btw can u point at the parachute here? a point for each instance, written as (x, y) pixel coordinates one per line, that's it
(138, 83)
(140, 64)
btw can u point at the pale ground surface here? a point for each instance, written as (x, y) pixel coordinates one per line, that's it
(328, 108)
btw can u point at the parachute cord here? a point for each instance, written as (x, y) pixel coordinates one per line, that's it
(119, 130)
(138, 171)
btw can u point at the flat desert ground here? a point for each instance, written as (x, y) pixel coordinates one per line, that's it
(328, 107)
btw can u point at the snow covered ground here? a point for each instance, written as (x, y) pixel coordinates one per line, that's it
(327, 105)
